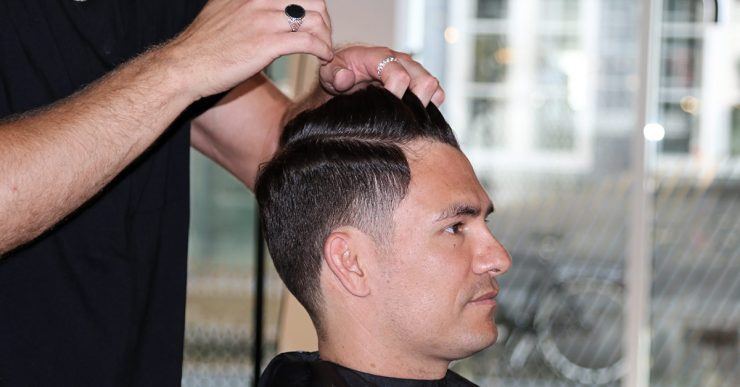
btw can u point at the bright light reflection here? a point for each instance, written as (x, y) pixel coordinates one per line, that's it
(452, 35)
(653, 132)
(690, 104)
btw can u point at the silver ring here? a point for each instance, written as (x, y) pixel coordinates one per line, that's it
(295, 14)
(384, 62)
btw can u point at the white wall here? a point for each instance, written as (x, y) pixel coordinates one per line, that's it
(363, 21)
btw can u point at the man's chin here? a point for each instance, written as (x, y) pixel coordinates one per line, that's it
(489, 338)
(478, 341)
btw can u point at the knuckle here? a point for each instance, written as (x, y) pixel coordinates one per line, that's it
(429, 83)
(401, 78)
(314, 21)
(404, 56)
(305, 39)
(439, 96)
(313, 17)
(296, 40)
(382, 52)
(314, 44)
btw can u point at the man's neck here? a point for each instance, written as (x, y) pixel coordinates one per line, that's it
(363, 351)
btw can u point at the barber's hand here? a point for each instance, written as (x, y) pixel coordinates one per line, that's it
(232, 40)
(355, 66)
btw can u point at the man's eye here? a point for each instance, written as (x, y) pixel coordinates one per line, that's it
(454, 229)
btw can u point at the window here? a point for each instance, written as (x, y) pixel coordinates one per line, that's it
(524, 93)
(492, 9)
(735, 142)
(543, 96)
(689, 11)
(220, 297)
(487, 124)
(491, 58)
(680, 127)
(681, 58)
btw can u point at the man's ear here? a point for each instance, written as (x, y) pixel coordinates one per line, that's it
(344, 254)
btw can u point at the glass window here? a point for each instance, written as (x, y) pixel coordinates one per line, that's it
(735, 139)
(615, 99)
(561, 11)
(679, 126)
(681, 58)
(492, 9)
(567, 228)
(555, 125)
(695, 250)
(690, 11)
(220, 297)
(492, 56)
(487, 126)
(557, 58)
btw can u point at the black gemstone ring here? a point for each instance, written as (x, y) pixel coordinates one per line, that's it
(295, 14)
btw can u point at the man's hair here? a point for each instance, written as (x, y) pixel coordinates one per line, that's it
(341, 164)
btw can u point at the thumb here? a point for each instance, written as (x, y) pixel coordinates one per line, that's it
(336, 77)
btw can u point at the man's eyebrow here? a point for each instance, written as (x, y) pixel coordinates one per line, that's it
(462, 209)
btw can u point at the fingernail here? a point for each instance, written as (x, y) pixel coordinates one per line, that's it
(337, 70)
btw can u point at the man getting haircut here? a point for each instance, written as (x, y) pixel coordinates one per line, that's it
(376, 223)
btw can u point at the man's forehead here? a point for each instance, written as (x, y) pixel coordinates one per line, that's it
(442, 176)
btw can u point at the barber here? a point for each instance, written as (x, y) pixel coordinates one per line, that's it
(99, 103)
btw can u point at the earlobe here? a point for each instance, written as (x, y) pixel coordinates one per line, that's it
(342, 256)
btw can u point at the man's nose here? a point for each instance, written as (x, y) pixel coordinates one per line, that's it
(491, 257)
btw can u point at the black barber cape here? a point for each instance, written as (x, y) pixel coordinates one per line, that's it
(99, 300)
(306, 369)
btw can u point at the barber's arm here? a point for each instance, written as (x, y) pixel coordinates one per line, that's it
(56, 158)
(242, 130)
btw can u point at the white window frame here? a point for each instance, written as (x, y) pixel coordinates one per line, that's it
(521, 152)
(717, 96)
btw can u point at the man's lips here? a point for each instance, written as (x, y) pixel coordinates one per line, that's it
(485, 298)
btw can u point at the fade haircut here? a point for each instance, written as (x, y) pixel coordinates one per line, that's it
(341, 164)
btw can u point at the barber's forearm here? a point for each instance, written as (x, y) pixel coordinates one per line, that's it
(243, 130)
(54, 159)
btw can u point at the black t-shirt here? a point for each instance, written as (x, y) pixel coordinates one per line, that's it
(306, 369)
(100, 299)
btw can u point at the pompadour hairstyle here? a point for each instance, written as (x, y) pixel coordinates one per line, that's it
(341, 164)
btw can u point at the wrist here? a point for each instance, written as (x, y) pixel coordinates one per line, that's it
(315, 97)
(163, 66)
